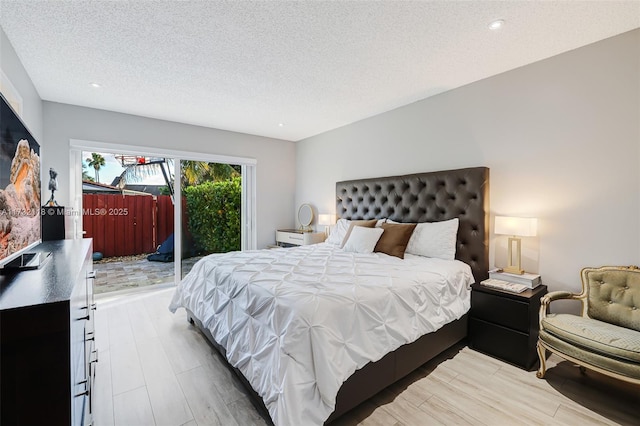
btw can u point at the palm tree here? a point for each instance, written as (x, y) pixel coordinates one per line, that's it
(96, 161)
(85, 174)
(196, 172)
(193, 171)
(221, 171)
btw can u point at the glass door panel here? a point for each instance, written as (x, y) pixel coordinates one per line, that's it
(123, 203)
(211, 201)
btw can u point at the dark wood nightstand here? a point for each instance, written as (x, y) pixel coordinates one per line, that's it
(505, 325)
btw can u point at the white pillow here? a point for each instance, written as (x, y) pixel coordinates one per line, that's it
(363, 240)
(338, 232)
(434, 239)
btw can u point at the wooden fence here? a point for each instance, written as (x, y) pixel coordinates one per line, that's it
(124, 225)
(164, 217)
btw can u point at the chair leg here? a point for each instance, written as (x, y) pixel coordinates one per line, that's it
(542, 354)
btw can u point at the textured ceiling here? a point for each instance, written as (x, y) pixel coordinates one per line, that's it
(312, 65)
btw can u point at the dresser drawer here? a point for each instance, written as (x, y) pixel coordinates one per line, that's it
(510, 313)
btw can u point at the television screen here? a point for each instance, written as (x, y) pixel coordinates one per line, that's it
(20, 219)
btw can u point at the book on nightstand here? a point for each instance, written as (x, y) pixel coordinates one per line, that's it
(504, 285)
(526, 279)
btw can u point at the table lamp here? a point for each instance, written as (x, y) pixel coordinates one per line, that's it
(516, 227)
(327, 220)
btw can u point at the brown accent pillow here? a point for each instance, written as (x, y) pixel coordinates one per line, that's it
(394, 239)
(366, 223)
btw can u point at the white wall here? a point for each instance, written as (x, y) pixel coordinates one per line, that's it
(275, 170)
(31, 103)
(561, 137)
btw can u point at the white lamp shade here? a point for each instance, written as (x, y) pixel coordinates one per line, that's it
(326, 219)
(519, 226)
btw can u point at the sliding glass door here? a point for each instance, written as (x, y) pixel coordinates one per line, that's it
(211, 199)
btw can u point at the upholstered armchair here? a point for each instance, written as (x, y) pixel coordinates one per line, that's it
(606, 336)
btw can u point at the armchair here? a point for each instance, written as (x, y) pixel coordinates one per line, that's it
(606, 336)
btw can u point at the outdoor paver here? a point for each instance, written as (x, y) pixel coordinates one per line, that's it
(128, 274)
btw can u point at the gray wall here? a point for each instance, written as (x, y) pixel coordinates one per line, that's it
(275, 171)
(561, 137)
(31, 103)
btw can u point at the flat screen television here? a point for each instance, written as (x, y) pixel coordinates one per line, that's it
(20, 207)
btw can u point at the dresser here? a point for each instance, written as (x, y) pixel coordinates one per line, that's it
(296, 237)
(47, 338)
(505, 325)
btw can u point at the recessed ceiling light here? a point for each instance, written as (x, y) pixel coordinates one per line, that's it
(96, 85)
(280, 124)
(497, 24)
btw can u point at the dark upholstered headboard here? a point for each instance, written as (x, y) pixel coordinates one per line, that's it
(428, 197)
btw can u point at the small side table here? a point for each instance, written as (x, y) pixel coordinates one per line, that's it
(505, 325)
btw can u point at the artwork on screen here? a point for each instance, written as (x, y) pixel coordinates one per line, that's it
(20, 219)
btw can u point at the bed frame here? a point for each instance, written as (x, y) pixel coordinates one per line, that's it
(423, 197)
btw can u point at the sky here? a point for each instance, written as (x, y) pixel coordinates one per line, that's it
(113, 168)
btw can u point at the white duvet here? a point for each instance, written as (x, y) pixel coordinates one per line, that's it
(298, 322)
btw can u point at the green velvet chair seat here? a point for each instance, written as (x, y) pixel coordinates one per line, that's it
(600, 337)
(589, 358)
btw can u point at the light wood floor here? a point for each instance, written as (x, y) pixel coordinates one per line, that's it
(156, 369)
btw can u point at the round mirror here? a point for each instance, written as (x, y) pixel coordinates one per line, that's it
(305, 216)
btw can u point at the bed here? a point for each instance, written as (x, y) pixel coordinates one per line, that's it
(293, 323)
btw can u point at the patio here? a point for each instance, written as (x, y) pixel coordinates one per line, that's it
(133, 272)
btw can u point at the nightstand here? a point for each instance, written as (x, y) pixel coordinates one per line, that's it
(505, 325)
(296, 237)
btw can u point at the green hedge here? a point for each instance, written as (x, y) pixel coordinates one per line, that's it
(213, 209)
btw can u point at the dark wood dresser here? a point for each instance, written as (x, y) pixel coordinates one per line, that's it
(47, 339)
(505, 325)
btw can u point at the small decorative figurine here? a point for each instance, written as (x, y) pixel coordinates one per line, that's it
(53, 186)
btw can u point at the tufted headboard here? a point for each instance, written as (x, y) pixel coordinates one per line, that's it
(428, 197)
